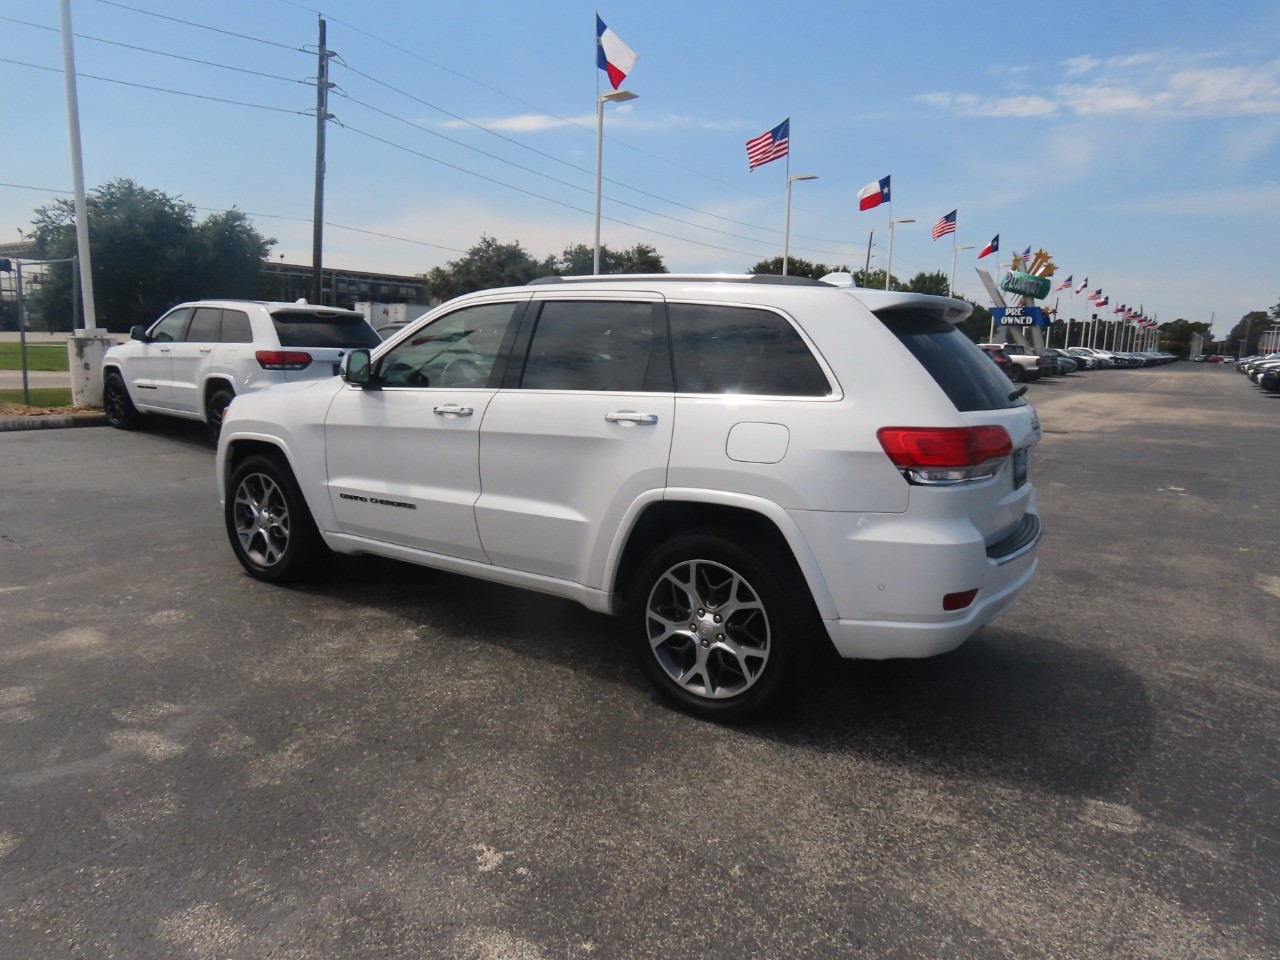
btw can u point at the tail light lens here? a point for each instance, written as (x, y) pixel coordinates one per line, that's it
(283, 359)
(943, 456)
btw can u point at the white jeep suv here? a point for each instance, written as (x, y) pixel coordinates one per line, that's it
(198, 356)
(742, 467)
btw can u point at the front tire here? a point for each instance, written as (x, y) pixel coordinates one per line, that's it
(271, 530)
(720, 632)
(120, 410)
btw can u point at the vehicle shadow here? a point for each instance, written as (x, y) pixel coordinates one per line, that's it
(1005, 706)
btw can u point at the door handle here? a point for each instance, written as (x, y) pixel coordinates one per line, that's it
(453, 410)
(206, 349)
(630, 416)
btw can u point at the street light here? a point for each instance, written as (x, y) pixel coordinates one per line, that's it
(614, 96)
(952, 285)
(888, 270)
(786, 238)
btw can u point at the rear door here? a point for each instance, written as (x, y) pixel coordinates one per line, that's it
(583, 431)
(326, 335)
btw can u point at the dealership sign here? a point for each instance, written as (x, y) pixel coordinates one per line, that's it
(1025, 284)
(1020, 316)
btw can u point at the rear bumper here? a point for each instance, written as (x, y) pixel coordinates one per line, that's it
(888, 577)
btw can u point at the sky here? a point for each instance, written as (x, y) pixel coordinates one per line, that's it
(1137, 143)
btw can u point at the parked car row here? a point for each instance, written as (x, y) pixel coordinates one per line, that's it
(1021, 365)
(1262, 369)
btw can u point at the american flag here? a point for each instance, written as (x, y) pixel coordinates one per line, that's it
(769, 146)
(1063, 285)
(945, 225)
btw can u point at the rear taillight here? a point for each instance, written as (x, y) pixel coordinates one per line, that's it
(938, 456)
(283, 359)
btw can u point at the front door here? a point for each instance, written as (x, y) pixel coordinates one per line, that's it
(404, 458)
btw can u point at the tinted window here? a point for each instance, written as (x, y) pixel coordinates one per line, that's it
(590, 345)
(456, 350)
(320, 329)
(719, 349)
(969, 379)
(171, 325)
(235, 327)
(205, 323)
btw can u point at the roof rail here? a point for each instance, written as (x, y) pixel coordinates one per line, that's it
(769, 278)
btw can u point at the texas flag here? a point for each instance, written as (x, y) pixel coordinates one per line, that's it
(612, 55)
(1083, 283)
(991, 247)
(1103, 302)
(1064, 284)
(873, 194)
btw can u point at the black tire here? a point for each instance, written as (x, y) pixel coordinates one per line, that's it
(1016, 373)
(271, 530)
(721, 632)
(120, 410)
(215, 407)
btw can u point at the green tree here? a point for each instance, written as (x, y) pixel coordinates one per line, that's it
(486, 265)
(1244, 335)
(148, 253)
(935, 283)
(579, 260)
(977, 326)
(796, 267)
(1176, 336)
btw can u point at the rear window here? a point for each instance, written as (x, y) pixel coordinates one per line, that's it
(966, 375)
(297, 328)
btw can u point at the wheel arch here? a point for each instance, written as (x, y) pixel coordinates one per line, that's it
(757, 521)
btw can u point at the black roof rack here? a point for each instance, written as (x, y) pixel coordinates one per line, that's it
(769, 278)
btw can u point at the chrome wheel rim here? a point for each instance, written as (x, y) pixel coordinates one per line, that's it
(708, 629)
(262, 519)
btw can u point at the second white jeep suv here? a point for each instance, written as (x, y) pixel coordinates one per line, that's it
(743, 467)
(197, 357)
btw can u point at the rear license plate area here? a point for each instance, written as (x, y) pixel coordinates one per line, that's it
(1020, 459)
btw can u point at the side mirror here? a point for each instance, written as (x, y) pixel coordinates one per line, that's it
(357, 369)
(139, 332)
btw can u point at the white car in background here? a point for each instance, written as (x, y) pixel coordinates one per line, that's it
(744, 468)
(199, 356)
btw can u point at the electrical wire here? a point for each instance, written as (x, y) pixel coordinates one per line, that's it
(202, 26)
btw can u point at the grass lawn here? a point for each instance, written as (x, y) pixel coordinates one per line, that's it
(40, 356)
(42, 397)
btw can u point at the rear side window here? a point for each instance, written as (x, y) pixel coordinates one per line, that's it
(298, 328)
(235, 327)
(740, 350)
(968, 378)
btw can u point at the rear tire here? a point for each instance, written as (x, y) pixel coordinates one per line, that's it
(271, 530)
(120, 410)
(214, 410)
(722, 633)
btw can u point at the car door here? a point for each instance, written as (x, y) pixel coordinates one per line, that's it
(403, 457)
(583, 432)
(190, 359)
(148, 367)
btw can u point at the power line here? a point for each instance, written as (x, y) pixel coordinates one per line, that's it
(147, 86)
(159, 53)
(202, 26)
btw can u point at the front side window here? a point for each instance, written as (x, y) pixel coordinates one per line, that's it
(172, 326)
(456, 350)
(741, 350)
(590, 345)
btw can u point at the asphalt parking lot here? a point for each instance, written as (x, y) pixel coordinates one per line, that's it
(401, 763)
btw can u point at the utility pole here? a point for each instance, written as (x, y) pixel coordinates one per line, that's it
(322, 116)
(866, 271)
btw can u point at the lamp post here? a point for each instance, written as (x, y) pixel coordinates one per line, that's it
(888, 270)
(786, 237)
(614, 96)
(952, 285)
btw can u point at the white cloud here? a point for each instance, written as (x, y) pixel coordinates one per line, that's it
(1139, 84)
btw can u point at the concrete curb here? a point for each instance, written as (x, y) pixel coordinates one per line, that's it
(52, 423)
